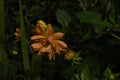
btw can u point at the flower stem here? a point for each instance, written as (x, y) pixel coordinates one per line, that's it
(3, 55)
(82, 5)
(25, 54)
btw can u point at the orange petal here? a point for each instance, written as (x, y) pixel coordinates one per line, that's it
(49, 30)
(43, 50)
(50, 39)
(49, 48)
(43, 41)
(58, 50)
(16, 34)
(54, 44)
(61, 44)
(37, 37)
(61, 49)
(18, 30)
(58, 35)
(51, 54)
(37, 30)
(36, 46)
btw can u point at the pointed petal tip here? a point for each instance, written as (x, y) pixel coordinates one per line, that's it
(37, 37)
(58, 35)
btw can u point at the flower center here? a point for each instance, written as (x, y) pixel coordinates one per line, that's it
(50, 39)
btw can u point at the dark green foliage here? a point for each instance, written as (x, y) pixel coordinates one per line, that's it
(63, 18)
(91, 30)
(95, 19)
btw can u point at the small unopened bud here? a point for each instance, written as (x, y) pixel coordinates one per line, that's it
(69, 55)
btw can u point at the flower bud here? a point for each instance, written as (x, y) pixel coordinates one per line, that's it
(69, 55)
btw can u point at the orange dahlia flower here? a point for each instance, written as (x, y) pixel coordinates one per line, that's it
(46, 41)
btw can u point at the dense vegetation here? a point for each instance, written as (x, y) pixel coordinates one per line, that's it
(89, 50)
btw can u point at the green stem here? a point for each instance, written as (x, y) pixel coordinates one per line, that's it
(2, 51)
(82, 5)
(24, 47)
(115, 36)
(3, 55)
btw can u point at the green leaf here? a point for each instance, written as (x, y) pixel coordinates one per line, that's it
(101, 25)
(67, 73)
(37, 78)
(75, 77)
(112, 77)
(94, 67)
(93, 18)
(63, 17)
(98, 28)
(112, 13)
(4, 70)
(85, 74)
(87, 36)
(106, 74)
(90, 67)
(86, 3)
(88, 17)
(76, 59)
(36, 66)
